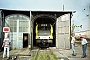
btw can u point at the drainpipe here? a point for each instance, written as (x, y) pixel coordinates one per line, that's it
(30, 30)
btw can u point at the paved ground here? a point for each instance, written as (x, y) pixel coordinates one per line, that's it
(62, 53)
(24, 54)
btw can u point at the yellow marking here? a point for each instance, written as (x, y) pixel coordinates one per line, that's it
(51, 33)
(36, 31)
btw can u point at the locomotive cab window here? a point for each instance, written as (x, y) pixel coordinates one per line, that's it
(43, 29)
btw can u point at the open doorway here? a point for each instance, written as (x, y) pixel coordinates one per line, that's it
(44, 31)
(25, 40)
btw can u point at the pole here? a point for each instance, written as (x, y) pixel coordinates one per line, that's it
(63, 7)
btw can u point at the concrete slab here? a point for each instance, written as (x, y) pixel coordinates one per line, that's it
(68, 53)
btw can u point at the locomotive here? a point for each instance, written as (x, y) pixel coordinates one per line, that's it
(44, 34)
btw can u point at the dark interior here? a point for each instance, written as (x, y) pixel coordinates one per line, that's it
(48, 20)
(25, 40)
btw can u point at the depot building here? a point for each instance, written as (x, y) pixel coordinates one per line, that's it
(22, 27)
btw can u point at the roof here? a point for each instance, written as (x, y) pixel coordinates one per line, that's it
(38, 10)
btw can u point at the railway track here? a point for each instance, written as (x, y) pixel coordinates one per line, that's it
(45, 54)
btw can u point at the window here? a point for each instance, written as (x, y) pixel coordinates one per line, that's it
(11, 21)
(44, 29)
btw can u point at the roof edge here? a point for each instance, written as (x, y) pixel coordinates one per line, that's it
(38, 10)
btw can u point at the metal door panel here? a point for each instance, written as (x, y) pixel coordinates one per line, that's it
(61, 43)
(13, 39)
(63, 31)
(67, 41)
(20, 40)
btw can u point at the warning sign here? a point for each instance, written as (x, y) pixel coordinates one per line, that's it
(6, 29)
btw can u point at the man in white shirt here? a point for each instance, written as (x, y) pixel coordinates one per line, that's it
(73, 45)
(6, 46)
(84, 46)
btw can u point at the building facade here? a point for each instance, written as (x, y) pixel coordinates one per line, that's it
(22, 26)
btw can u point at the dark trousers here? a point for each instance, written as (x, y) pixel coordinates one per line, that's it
(84, 47)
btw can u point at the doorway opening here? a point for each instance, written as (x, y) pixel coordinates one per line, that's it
(46, 21)
(25, 40)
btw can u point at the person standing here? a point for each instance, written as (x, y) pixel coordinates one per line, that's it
(84, 46)
(73, 46)
(6, 46)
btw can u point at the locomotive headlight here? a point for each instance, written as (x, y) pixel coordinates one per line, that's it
(39, 37)
(49, 37)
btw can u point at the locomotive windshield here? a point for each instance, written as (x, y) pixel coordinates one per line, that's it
(43, 29)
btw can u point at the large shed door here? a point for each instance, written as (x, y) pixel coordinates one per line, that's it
(18, 24)
(63, 31)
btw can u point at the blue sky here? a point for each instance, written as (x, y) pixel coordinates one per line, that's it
(43, 4)
(69, 5)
